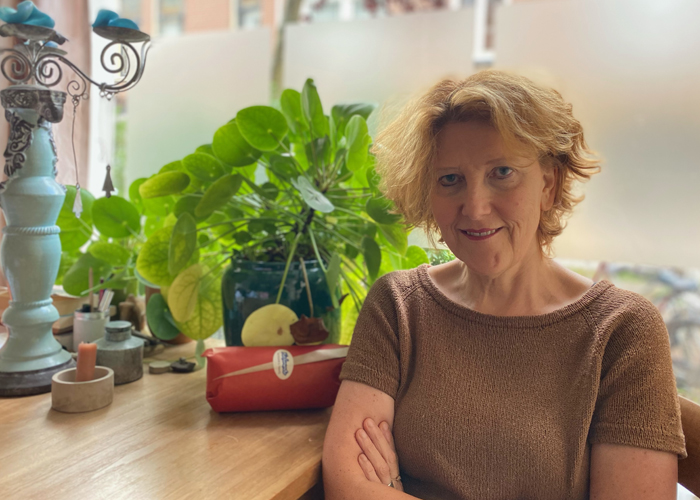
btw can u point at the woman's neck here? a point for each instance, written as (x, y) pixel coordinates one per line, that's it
(538, 287)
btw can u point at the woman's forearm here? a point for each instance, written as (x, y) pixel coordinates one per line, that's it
(366, 490)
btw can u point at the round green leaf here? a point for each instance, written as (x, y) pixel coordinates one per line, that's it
(115, 254)
(152, 262)
(378, 209)
(290, 102)
(230, 146)
(396, 236)
(372, 255)
(187, 204)
(415, 256)
(116, 217)
(218, 195)
(262, 127)
(203, 166)
(183, 242)
(164, 184)
(208, 311)
(67, 220)
(206, 149)
(311, 196)
(157, 321)
(270, 191)
(242, 237)
(73, 240)
(182, 296)
(312, 110)
(77, 279)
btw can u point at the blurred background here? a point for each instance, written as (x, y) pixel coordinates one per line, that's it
(630, 68)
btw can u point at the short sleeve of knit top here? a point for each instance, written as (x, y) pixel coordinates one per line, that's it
(494, 407)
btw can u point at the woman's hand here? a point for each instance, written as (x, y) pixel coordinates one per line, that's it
(378, 460)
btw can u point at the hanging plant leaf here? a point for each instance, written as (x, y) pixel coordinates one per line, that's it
(396, 236)
(116, 217)
(218, 195)
(230, 146)
(208, 312)
(415, 256)
(77, 279)
(183, 293)
(115, 254)
(290, 102)
(67, 220)
(311, 196)
(160, 326)
(262, 126)
(342, 113)
(183, 242)
(164, 184)
(203, 166)
(372, 255)
(378, 209)
(152, 262)
(358, 143)
(312, 110)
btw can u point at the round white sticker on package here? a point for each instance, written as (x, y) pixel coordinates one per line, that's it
(282, 363)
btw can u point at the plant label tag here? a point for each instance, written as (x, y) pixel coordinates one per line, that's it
(282, 364)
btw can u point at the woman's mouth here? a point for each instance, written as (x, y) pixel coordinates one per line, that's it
(480, 234)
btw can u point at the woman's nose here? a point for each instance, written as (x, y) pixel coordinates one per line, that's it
(477, 202)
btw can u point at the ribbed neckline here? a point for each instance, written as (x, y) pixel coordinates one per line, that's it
(509, 321)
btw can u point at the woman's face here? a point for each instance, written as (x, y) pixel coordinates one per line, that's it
(486, 201)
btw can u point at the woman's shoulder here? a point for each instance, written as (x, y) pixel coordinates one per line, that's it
(618, 308)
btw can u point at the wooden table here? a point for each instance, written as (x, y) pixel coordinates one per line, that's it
(159, 439)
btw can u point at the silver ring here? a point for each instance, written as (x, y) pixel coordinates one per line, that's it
(391, 484)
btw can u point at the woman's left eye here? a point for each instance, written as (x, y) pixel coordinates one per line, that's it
(503, 172)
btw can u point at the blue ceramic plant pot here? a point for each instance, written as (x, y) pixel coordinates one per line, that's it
(247, 286)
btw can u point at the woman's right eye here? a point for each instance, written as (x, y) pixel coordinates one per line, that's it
(448, 180)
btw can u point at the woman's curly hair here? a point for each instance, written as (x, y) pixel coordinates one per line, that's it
(530, 119)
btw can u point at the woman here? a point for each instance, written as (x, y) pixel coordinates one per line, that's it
(501, 374)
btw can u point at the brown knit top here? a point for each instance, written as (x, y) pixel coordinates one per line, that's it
(490, 407)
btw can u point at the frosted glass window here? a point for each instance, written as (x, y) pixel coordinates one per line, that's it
(377, 60)
(193, 85)
(630, 68)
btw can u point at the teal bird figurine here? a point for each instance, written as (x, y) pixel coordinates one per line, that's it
(26, 13)
(109, 18)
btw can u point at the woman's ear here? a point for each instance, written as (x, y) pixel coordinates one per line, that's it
(549, 190)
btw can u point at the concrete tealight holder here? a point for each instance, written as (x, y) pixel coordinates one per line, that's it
(69, 396)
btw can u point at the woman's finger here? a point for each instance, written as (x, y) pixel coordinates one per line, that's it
(381, 468)
(384, 463)
(367, 468)
(394, 468)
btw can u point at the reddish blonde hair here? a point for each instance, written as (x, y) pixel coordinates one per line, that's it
(528, 117)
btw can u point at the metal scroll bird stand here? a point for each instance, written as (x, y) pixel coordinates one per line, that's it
(31, 199)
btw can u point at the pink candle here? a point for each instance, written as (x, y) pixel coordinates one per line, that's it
(87, 355)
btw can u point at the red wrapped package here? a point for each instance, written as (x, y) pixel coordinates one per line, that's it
(273, 378)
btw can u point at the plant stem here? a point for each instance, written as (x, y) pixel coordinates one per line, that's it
(286, 267)
(318, 255)
(308, 287)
